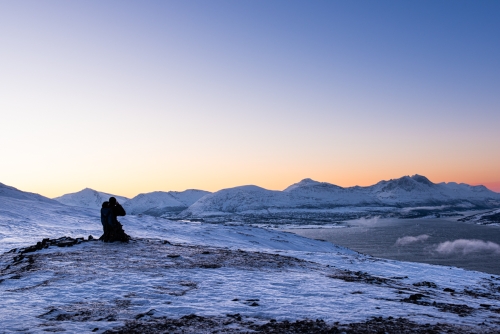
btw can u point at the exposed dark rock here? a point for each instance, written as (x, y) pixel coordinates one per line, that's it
(46, 243)
(210, 266)
(235, 323)
(359, 276)
(416, 296)
(460, 309)
(426, 284)
(66, 243)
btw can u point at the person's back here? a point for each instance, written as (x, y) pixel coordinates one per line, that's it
(106, 221)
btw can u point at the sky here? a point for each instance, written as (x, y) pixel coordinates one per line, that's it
(130, 97)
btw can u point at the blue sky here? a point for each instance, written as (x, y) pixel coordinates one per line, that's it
(129, 96)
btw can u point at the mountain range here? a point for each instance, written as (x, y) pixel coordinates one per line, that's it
(305, 201)
(411, 193)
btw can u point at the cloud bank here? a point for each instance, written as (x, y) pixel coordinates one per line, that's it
(467, 246)
(367, 222)
(409, 239)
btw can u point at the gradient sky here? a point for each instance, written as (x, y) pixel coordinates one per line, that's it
(129, 97)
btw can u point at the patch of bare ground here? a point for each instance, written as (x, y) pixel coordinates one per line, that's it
(23, 261)
(235, 323)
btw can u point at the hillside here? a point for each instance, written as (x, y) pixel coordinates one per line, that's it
(88, 198)
(160, 202)
(322, 201)
(8, 192)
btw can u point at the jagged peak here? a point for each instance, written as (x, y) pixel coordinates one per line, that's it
(407, 179)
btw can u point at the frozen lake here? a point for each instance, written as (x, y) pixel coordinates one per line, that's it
(420, 240)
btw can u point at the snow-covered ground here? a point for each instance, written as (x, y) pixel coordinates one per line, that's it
(173, 269)
(491, 217)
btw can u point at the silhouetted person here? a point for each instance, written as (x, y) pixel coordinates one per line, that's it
(116, 233)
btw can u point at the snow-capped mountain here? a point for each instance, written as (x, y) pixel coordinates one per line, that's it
(88, 198)
(407, 191)
(158, 203)
(418, 190)
(317, 195)
(14, 193)
(243, 198)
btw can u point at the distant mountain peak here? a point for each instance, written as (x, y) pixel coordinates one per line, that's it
(302, 183)
(88, 198)
(421, 179)
(310, 183)
(157, 203)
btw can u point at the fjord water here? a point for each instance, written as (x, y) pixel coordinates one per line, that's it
(378, 237)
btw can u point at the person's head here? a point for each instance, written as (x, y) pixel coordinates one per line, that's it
(105, 205)
(112, 201)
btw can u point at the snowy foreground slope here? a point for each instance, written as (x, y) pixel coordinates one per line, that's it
(202, 278)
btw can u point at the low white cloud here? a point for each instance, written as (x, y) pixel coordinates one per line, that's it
(467, 246)
(441, 207)
(367, 222)
(409, 239)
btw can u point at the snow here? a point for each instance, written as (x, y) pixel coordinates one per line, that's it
(88, 198)
(313, 197)
(484, 218)
(11, 192)
(414, 191)
(212, 270)
(159, 202)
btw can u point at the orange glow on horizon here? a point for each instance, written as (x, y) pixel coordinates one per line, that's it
(213, 184)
